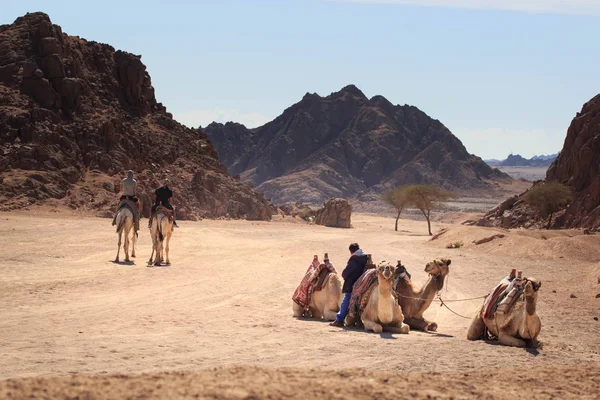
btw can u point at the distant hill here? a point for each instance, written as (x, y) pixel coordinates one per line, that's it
(516, 160)
(347, 145)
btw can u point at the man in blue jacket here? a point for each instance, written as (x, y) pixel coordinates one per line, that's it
(353, 271)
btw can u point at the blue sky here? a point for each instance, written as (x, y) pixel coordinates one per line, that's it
(503, 75)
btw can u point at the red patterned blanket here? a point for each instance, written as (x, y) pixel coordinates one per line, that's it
(360, 294)
(309, 283)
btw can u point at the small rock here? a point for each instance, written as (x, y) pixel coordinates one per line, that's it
(595, 318)
(598, 296)
(573, 296)
(554, 291)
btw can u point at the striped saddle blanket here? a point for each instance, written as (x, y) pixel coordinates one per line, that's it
(360, 294)
(313, 281)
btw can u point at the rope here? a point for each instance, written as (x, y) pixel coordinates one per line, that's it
(446, 301)
(452, 311)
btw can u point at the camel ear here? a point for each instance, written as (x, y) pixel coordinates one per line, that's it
(448, 262)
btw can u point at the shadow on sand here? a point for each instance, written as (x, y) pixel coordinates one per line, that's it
(534, 351)
(122, 262)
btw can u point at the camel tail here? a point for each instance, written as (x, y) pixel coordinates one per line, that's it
(160, 232)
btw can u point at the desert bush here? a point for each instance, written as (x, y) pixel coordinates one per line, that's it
(548, 198)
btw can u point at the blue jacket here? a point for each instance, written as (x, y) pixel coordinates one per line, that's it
(353, 271)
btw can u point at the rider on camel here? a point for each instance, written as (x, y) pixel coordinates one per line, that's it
(162, 197)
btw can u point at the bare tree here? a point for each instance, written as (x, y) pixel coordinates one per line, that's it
(548, 198)
(396, 198)
(426, 198)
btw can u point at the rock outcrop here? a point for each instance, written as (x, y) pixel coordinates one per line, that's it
(336, 213)
(75, 114)
(578, 167)
(347, 145)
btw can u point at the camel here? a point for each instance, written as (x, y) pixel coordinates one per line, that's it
(324, 303)
(520, 327)
(415, 302)
(124, 223)
(161, 230)
(382, 312)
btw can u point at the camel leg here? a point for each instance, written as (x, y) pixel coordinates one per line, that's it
(507, 340)
(133, 244)
(399, 327)
(126, 248)
(167, 249)
(372, 326)
(416, 323)
(298, 311)
(159, 246)
(119, 246)
(477, 327)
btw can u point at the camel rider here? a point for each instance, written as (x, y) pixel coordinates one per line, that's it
(162, 197)
(353, 271)
(128, 189)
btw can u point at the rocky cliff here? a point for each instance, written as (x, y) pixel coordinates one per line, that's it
(577, 166)
(347, 145)
(75, 114)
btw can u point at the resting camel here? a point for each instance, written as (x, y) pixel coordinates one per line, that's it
(520, 327)
(124, 222)
(382, 312)
(324, 303)
(415, 302)
(161, 229)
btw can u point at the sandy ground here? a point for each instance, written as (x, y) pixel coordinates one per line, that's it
(225, 302)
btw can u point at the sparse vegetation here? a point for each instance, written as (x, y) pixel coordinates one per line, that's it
(548, 198)
(424, 198)
(455, 245)
(396, 198)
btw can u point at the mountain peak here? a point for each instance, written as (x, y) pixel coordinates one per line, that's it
(353, 90)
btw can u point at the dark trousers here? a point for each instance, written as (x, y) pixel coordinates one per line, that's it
(132, 198)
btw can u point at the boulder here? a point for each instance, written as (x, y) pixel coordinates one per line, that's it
(335, 213)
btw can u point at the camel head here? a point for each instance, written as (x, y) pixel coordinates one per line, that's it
(438, 267)
(401, 271)
(531, 287)
(385, 272)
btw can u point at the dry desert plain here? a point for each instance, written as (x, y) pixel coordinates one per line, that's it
(218, 322)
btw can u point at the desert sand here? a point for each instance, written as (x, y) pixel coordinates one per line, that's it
(218, 322)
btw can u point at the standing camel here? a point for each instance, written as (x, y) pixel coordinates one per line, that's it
(125, 222)
(415, 302)
(161, 229)
(520, 327)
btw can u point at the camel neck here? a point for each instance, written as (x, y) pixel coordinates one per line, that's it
(386, 302)
(530, 302)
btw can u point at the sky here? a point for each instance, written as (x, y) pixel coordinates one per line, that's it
(505, 76)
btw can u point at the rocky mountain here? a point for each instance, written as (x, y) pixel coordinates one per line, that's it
(347, 145)
(577, 166)
(75, 114)
(516, 160)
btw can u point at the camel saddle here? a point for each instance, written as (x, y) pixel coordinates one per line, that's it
(313, 281)
(165, 211)
(360, 295)
(132, 206)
